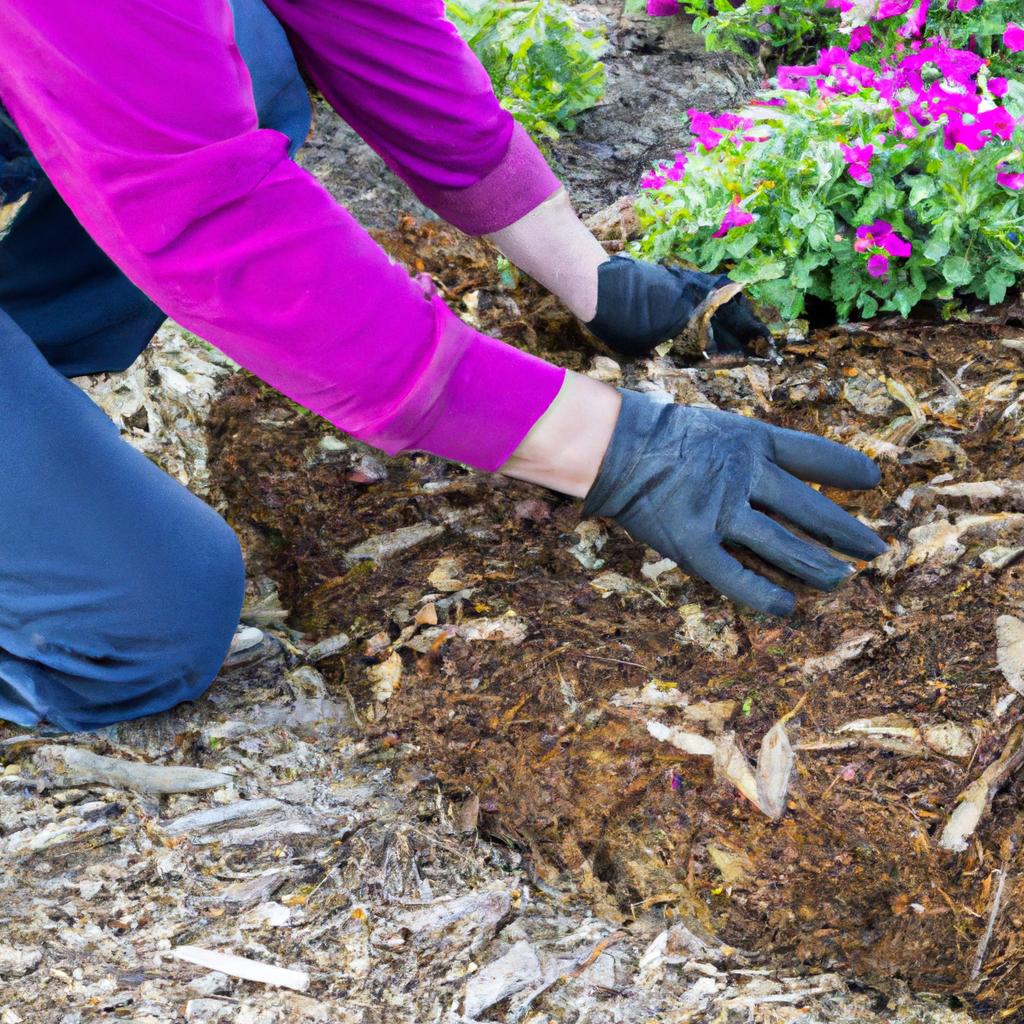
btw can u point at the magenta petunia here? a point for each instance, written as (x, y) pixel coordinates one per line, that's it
(859, 36)
(878, 265)
(1013, 37)
(793, 76)
(964, 6)
(868, 235)
(735, 217)
(652, 180)
(1010, 179)
(662, 8)
(998, 86)
(916, 19)
(896, 246)
(893, 8)
(880, 235)
(858, 159)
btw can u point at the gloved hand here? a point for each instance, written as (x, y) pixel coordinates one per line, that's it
(686, 480)
(640, 305)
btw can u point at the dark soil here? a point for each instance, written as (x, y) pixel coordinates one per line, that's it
(851, 878)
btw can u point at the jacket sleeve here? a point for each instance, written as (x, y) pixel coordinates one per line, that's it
(141, 113)
(403, 77)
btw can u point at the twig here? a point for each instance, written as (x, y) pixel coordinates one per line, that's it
(997, 902)
(614, 661)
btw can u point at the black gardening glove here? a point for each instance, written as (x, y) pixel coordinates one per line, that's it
(640, 305)
(685, 480)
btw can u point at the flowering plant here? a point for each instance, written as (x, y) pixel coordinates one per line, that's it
(872, 187)
(543, 67)
(793, 31)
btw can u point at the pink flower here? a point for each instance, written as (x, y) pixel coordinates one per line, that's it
(652, 180)
(878, 265)
(676, 171)
(998, 86)
(892, 8)
(858, 159)
(1013, 37)
(962, 5)
(880, 235)
(793, 76)
(1009, 179)
(859, 36)
(896, 246)
(662, 8)
(734, 218)
(709, 129)
(916, 19)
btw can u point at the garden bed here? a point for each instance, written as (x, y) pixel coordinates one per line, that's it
(531, 705)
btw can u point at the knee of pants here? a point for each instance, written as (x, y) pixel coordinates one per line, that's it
(194, 597)
(155, 632)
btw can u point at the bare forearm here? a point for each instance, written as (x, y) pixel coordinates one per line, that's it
(564, 449)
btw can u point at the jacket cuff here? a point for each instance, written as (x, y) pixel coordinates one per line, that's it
(474, 400)
(519, 183)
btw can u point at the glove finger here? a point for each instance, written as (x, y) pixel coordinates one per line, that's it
(725, 342)
(741, 319)
(726, 575)
(775, 544)
(805, 507)
(811, 457)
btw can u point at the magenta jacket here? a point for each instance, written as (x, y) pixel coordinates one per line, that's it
(141, 112)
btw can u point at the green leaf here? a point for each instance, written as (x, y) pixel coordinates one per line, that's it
(997, 281)
(957, 271)
(936, 247)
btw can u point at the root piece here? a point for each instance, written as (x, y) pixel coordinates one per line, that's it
(1010, 650)
(993, 914)
(76, 766)
(974, 801)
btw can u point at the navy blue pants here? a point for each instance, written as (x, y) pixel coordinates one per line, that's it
(119, 590)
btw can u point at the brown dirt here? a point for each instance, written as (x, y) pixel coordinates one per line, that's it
(851, 878)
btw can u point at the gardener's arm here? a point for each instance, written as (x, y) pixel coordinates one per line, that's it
(401, 75)
(142, 115)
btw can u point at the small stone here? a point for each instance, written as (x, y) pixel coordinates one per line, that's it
(213, 984)
(328, 647)
(330, 443)
(604, 369)
(17, 961)
(368, 470)
(207, 1010)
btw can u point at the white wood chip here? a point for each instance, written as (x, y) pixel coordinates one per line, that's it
(1010, 650)
(242, 967)
(687, 742)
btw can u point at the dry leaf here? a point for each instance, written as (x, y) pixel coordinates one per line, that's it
(445, 576)
(851, 647)
(386, 677)
(774, 770)
(732, 763)
(735, 868)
